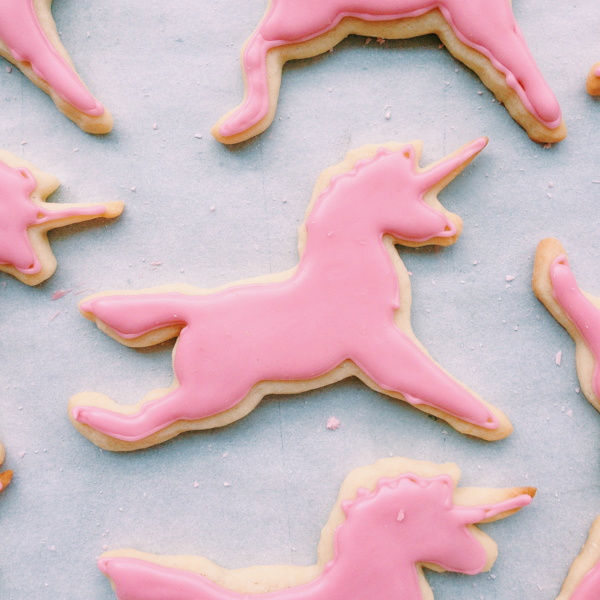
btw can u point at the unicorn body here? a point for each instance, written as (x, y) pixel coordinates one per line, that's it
(487, 26)
(379, 549)
(338, 305)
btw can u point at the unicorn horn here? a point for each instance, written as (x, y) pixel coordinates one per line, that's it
(452, 164)
(487, 512)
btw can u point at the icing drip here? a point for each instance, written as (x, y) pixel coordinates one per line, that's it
(583, 314)
(18, 212)
(339, 304)
(375, 553)
(21, 31)
(488, 26)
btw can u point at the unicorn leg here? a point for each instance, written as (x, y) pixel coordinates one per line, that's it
(480, 29)
(28, 43)
(256, 103)
(395, 363)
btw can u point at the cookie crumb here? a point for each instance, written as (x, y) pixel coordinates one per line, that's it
(480, 93)
(577, 390)
(155, 126)
(75, 149)
(226, 484)
(569, 413)
(132, 189)
(558, 357)
(196, 484)
(388, 114)
(9, 69)
(332, 423)
(510, 277)
(105, 547)
(198, 135)
(22, 454)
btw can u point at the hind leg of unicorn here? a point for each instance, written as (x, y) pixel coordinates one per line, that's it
(483, 34)
(343, 311)
(390, 521)
(29, 40)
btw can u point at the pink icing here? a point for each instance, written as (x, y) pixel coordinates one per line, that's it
(21, 31)
(584, 315)
(597, 71)
(589, 588)
(488, 26)
(375, 551)
(339, 304)
(18, 212)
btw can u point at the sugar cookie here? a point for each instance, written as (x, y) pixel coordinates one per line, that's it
(343, 311)
(391, 520)
(593, 80)
(483, 34)
(6, 476)
(29, 40)
(26, 218)
(577, 311)
(583, 580)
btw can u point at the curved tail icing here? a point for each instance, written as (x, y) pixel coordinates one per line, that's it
(132, 316)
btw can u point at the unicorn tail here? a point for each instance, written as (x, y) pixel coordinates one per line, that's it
(131, 316)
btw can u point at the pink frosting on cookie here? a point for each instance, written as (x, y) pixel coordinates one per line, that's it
(488, 26)
(584, 315)
(589, 588)
(339, 304)
(18, 212)
(597, 71)
(405, 521)
(21, 31)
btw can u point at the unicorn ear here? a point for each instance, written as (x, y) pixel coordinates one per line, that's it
(345, 505)
(362, 491)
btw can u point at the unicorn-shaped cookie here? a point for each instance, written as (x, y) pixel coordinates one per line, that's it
(6, 476)
(593, 80)
(583, 580)
(29, 40)
(343, 311)
(25, 218)
(483, 34)
(577, 311)
(391, 520)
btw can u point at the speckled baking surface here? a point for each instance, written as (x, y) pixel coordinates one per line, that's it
(176, 65)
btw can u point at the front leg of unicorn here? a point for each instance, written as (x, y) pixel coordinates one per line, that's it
(26, 218)
(390, 520)
(577, 311)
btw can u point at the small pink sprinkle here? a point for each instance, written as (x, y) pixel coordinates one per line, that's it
(155, 126)
(22, 454)
(388, 114)
(52, 548)
(225, 455)
(196, 484)
(75, 149)
(558, 357)
(23, 142)
(410, 272)
(332, 423)
(105, 547)
(212, 208)
(54, 316)
(198, 136)
(549, 194)
(60, 294)
(401, 516)
(156, 263)
(510, 277)
(9, 69)
(480, 93)
(569, 413)
(577, 390)
(132, 189)
(474, 262)
(81, 291)
(226, 484)
(550, 185)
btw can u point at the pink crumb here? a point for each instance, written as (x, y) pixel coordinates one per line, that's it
(156, 263)
(54, 316)
(333, 423)
(510, 277)
(60, 294)
(559, 357)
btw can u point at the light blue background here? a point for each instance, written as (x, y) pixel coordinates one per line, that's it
(176, 64)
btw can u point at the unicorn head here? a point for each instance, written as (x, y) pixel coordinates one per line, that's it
(390, 194)
(414, 519)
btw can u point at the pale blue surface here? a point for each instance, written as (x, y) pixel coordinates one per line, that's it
(175, 64)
